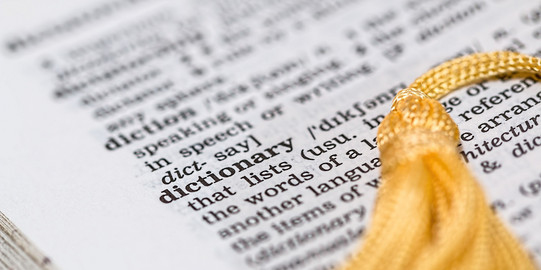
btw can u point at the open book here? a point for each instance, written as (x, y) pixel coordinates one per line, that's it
(229, 134)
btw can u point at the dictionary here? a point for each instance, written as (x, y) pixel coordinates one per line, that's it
(241, 134)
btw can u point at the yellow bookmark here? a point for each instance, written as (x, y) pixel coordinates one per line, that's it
(430, 212)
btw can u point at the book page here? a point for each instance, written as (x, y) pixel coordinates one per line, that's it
(229, 134)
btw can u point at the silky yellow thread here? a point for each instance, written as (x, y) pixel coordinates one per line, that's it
(430, 212)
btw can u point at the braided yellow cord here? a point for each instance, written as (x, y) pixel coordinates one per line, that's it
(431, 213)
(462, 71)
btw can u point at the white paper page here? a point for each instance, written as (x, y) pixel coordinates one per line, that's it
(101, 101)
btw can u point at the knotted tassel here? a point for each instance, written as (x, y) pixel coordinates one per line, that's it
(430, 212)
